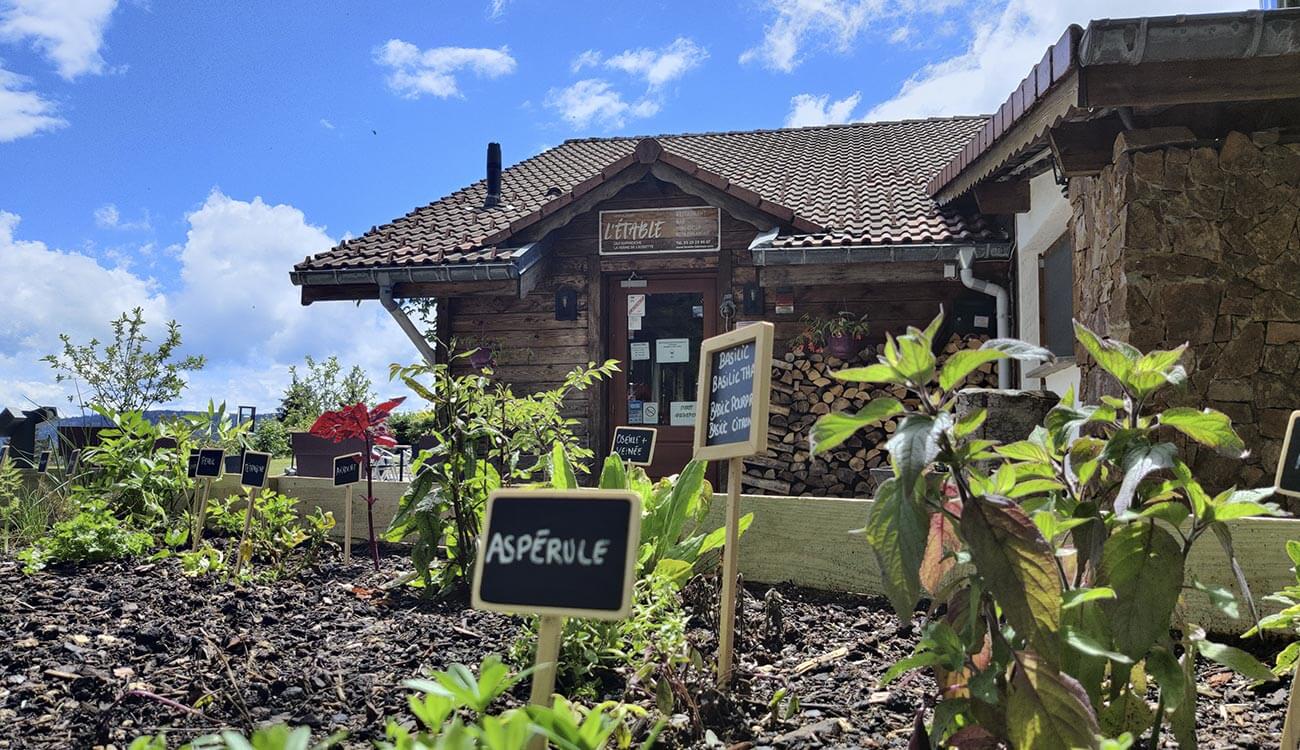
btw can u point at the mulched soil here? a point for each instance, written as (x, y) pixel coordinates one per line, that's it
(95, 656)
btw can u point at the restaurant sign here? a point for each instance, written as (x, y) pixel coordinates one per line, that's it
(660, 230)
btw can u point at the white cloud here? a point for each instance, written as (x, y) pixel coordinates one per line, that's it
(597, 101)
(108, 217)
(69, 33)
(414, 72)
(810, 109)
(496, 8)
(24, 112)
(661, 66)
(234, 301)
(797, 20)
(594, 101)
(900, 35)
(1001, 50)
(324, 123)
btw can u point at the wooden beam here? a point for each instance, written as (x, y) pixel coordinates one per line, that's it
(1011, 197)
(1084, 148)
(848, 273)
(587, 201)
(335, 292)
(1190, 81)
(729, 203)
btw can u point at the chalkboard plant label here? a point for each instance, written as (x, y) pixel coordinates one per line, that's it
(735, 388)
(192, 466)
(635, 445)
(347, 469)
(4, 454)
(558, 552)
(210, 464)
(43, 464)
(255, 469)
(1288, 467)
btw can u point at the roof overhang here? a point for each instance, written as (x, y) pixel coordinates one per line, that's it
(1125, 65)
(821, 256)
(513, 275)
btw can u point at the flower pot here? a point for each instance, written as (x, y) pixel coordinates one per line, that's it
(843, 346)
(481, 357)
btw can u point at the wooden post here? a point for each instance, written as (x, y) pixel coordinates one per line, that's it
(200, 518)
(347, 525)
(243, 538)
(1291, 725)
(730, 572)
(549, 630)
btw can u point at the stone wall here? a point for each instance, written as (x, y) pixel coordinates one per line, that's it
(1180, 242)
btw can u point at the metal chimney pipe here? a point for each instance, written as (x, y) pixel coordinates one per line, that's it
(493, 197)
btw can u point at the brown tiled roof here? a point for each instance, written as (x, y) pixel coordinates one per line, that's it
(858, 184)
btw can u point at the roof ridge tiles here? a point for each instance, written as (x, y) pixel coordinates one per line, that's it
(755, 131)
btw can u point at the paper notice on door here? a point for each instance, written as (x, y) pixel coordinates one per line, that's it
(681, 414)
(635, 305)
(640, 350)
(650, 412)
(635, 411)
(634, 322)
(672, 350)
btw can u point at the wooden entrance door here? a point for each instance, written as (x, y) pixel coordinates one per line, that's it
(655, 332)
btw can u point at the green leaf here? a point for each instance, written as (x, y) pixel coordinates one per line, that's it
(1088, 646)
(612, 474)
(1075, 597)
(915, 359)
(1169, 674)
(963, 363)
(914, 445)
(830, 430)
(1047, 710)
(897, 530)
(1143, 563)
(878, 373)
(1019, 566)
(1109, 355)
(1235, 659)
(562, 477)
(1017, 349)
(1222, 599)
(1137, 464)
(1224, 535)
(1207, 427)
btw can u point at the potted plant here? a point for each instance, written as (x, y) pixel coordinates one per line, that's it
(845, 334)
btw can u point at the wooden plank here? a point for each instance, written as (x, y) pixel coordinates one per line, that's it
(846, 273)
(1083, 148)
(313, 492)
(1155, 84)
(1010, 197)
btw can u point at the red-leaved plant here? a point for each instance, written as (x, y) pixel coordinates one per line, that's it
(356, 422)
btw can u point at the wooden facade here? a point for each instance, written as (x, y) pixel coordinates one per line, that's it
(534, 350)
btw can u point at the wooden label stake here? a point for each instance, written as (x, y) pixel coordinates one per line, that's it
(253, 476)
(347, 472)
(557, 554)
(209, 465)
(735, 390)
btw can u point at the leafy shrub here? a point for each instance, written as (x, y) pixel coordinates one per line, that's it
(94, 534)
(275, 737)
(1288, 619)
(409, 426)
(27, 513)
(485, 437)
(270, 436)
(1077, 540)
(125, 469)
(276, 530)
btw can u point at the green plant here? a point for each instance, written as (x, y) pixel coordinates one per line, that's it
(126, 376)
(817, 330)
(1076, 540)
(410, 426)
(276, 531)
(484, 436)
(270, 436)
(1288, 619)
(571, 727)
(320, 387)
(94, 534)
(274, 737)
(138, 481)
(26, 513)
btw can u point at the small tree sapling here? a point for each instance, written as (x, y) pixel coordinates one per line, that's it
(356, 422)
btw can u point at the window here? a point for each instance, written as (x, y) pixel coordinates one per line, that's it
(1056, 298)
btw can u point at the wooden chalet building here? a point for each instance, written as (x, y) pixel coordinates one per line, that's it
(1144, 177)
(638, 248)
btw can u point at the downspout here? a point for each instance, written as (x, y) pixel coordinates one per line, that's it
(1003, 302)
(412, 333)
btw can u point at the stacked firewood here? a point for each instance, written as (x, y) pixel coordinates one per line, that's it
(803, 389)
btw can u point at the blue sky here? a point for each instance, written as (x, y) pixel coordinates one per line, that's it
(181, 155)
